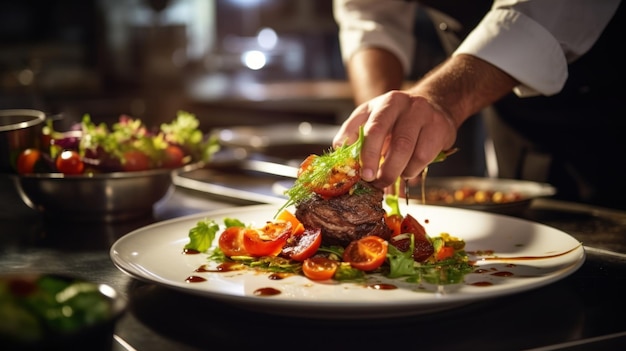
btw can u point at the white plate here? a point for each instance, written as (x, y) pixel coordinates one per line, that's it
(154, 254)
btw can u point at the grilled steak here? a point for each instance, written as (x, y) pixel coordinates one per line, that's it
(346, 218)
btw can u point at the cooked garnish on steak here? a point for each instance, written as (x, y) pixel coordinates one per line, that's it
(348, 217)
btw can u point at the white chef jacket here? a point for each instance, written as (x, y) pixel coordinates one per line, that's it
(533, 41)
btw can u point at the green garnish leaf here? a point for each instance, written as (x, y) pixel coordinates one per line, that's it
(401, 263)
(202, 235)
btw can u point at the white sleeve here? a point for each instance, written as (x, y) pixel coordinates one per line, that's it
(534, 41)
(386, 24)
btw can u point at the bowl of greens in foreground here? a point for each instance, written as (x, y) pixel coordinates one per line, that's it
(100, 172)
(41, 311)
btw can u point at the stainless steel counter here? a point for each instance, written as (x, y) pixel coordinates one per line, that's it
(581, 312)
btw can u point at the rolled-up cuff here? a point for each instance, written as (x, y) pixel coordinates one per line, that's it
(522, 48)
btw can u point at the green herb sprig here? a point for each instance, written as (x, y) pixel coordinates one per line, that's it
(320, 170)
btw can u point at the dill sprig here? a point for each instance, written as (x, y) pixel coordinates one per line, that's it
(320, 170)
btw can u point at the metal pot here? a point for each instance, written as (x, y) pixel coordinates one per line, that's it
(19, 129)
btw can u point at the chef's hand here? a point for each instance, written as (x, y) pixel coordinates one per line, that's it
(405, 131)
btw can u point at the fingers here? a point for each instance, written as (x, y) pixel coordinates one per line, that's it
(405, 133)
(399, 151)
(379, 139)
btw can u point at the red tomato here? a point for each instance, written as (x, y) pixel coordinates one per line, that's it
(256, 246)
(319, 268)
(173, 157)
(231, 242)
(69, 162)
(27, 160)
(302, 245)
(394, 223)
(367, 253)
(338, 182)
(444, 252)
(135, 160)
(268, 240)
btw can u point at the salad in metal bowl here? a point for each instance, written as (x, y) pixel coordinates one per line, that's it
(127, 145)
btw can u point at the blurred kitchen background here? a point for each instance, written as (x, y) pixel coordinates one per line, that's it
(230, 62)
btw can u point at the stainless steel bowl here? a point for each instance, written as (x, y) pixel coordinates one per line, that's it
(19, 129)
(106, 197)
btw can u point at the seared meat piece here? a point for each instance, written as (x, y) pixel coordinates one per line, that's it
(347, 217)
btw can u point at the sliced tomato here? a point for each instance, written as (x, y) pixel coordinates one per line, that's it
(231, 242)
(302, 245)
(319, 268)
(268, 240)
(339, 181)
(444, 252)
(27, 160)
(394, 223)
(274, 229)
(69, 162)
(296, 225)
(367, 253)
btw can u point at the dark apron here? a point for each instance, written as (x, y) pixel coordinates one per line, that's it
(574, 140)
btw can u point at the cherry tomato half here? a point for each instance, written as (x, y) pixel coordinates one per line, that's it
(339, 180)
(231, 242)
(319, 268)
(302, 245)
(268, 240)
(27, 160)
(69, 162)
(255, 246)
(367, 253)
(394, 223)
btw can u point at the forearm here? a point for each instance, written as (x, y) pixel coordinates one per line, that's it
(463, 85)
(372, 72)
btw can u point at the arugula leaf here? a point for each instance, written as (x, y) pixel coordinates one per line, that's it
(401, 263)
(202, 235)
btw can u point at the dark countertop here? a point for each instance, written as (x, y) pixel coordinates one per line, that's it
(583, 311)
